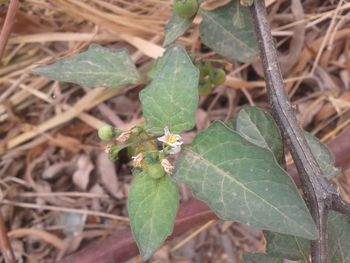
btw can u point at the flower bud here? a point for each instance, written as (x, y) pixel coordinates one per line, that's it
(106, 133)
(124, 137)
(167, 166)
(186, 8)
(155, 170)
(246, 3)
(137, 160)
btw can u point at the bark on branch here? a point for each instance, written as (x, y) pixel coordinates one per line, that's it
(321, 195)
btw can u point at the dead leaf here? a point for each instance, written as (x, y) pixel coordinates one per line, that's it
(58, 168)
(69, 143)
(308, 110)
(96, 203)
(108, 175)
(328, 110)
(81, 177)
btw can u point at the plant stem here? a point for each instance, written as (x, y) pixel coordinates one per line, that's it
(318, 191)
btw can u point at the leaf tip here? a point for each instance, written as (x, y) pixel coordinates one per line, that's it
(147, 253)
(42, 70)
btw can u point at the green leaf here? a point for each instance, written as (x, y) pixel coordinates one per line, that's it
(260, 258)
(157, 66)
(243, 182)
(338, 238)
(172, 97)
(258, 127)
(152, 206)
(96, 67)
(225, 36)
(323, 155)
(232, 124)
(175, 28)
(288, 247)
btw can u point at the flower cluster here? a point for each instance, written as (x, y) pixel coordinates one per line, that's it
(171, 145)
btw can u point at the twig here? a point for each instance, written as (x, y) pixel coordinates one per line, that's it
(341, 206)
(320, 193)
(64, 209)
(193, 235)
(327, 37)
(7, 27)
(5, 244)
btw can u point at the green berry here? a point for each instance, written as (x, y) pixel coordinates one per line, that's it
(218, 76)
(204, 69)
(186, 8)
(205, 88)
(155, 170)
(106, 133)
(246, 3)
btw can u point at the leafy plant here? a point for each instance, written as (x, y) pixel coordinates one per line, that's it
(236, 167)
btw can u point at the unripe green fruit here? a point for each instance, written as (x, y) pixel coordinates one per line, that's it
(218, 76)
(204, 69)
(205, 88)
(186, 8)
(246, 2)
(155, 170)
(106, 133)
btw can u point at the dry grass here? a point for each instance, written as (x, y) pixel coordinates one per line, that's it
(52, 171)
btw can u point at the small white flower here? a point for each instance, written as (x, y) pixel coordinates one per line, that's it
(173, 140)
(137, 160)
(168, 167)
